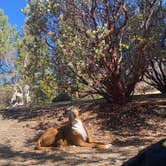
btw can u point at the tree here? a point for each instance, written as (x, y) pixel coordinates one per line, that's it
(156, 72)
(8, 39)
(92, 36)
(35, 66)
(100, 47)
(36, 28)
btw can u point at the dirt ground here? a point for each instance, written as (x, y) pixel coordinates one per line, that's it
(129, 128)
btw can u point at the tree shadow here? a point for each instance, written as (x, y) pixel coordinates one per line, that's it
(129, 119)
(131, 142)
(6, 153)
(124, 121)
(23, 113)
(43, 158)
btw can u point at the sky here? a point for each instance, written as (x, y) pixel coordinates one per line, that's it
(12, 9)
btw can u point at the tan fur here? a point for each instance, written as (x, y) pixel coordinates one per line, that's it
(64, 136)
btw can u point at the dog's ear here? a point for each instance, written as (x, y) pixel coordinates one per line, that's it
(74, 109)
(77, 109)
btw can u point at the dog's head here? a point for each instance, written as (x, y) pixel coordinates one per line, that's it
(73, 113)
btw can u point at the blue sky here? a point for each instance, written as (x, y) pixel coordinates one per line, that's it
(12, 9)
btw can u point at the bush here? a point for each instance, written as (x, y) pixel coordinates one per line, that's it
(62, 97)
(156, 75)
(5, 97)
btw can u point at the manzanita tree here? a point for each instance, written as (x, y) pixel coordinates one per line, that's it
(99, 46)
(93, 38)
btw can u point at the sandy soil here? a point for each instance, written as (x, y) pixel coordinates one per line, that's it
(129, 128)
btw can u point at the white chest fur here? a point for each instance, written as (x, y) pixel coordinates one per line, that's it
(78, 126)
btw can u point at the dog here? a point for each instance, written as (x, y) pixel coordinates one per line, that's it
(73, 133)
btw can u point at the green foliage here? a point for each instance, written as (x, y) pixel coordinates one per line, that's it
(91, 46)
(6, 94)
(35, 65)
(103, 55)
(41, 71)
(7, 35)
(8, 40)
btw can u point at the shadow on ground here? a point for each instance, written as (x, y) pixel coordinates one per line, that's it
(53, 110)
(136, 124)
(58, 158)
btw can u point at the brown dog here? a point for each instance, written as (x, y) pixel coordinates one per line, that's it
(73, 133)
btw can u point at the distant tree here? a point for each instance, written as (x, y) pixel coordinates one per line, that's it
(48, 81)
(35, 67)
(8, 39)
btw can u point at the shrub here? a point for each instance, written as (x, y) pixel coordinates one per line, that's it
(5, 97)
(156, 75)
